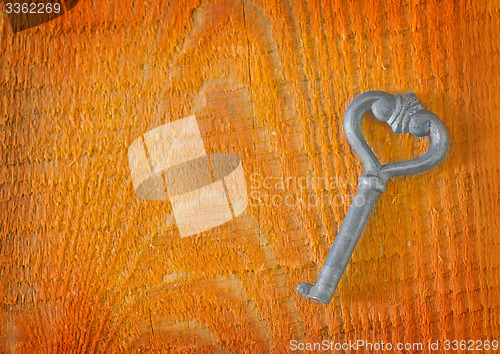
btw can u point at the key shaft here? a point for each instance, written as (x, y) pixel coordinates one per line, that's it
(343, 246)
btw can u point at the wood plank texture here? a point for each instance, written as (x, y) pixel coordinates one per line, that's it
(85, 265)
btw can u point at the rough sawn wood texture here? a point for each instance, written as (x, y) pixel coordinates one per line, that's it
(85, 265)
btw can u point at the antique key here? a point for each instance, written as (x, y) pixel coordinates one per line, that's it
(404, 113)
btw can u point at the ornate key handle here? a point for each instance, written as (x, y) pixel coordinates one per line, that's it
(404, 113)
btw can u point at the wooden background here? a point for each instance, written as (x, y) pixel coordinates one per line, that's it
(85, 265)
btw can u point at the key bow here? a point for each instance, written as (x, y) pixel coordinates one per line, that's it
(404, 114)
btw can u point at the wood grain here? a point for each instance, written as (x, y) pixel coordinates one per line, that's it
(88, 266)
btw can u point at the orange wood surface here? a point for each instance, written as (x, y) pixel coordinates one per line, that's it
(87, 266)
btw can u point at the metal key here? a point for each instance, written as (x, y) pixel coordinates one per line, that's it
(404, 113)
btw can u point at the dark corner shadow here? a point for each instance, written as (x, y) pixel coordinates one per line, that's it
(26, 14)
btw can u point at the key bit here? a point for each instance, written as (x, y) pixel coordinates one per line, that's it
(404, 114)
